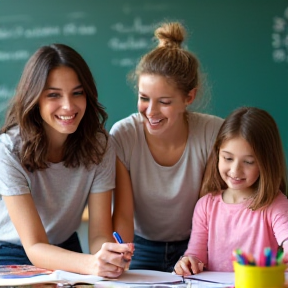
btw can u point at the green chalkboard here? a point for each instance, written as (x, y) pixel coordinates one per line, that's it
(242, 45)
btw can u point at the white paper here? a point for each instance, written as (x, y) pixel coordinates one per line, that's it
(148, 277)
(129, 277)
(215, 277)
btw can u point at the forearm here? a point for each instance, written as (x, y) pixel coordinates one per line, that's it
(123, 212)
(56, 258)
(125, 227)
(95, 244)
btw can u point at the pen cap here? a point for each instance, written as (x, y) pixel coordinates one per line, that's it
(247, 276)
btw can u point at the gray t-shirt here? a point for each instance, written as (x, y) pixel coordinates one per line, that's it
(60, 194)
(164, 197)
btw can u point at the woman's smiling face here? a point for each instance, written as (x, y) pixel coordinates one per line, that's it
(161, 104)
(62, 103)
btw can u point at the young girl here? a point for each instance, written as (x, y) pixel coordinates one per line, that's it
(162, 152)
(247, 207)
(54, 158)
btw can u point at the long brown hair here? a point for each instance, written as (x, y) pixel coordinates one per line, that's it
(260, 130)
(88, 143)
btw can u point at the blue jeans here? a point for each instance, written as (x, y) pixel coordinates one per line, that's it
(11, 254)
(155, 255)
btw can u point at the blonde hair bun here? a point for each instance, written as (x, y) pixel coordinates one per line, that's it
(170, 35)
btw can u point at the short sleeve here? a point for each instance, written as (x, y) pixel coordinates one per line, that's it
(124, 137)
(212, 127)
(13, 177)
(105, 173)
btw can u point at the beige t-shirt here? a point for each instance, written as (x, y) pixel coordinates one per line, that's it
(164, 197)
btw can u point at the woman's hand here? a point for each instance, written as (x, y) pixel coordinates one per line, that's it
(188, 265)
(112, 259)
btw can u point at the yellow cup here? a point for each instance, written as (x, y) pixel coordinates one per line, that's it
(259, 277)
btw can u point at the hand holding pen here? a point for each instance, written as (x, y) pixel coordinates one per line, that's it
(127, 256)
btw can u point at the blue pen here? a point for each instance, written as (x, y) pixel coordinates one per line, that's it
(118, 238)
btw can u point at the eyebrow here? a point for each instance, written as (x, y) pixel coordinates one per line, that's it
(143, 94)
(58, 89)
(233, 154)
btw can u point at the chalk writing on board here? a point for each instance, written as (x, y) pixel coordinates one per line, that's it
(73, 29)
(280, 38)
(47, 31)
(19, 32)
(136, 27)
(130, 43)
(127, 37)
(14, 55)
(124, 62)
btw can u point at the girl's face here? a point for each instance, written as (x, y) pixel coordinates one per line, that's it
(62, 103)
(161, 104)
(237, 164)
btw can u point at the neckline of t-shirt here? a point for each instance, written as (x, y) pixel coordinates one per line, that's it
(180, 159)
(56, 166)
(236, 205)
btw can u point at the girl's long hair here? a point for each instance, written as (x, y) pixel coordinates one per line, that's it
(260, 130)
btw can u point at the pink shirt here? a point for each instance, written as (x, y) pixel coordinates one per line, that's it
(219, 228)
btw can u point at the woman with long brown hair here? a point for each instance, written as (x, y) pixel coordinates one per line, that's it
(56, 157)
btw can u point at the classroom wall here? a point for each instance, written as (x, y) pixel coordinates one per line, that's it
(242, 45)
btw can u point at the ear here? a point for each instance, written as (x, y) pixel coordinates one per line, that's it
(191, 96)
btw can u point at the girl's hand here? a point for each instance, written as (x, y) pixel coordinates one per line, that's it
(188, 265)
(112, 259)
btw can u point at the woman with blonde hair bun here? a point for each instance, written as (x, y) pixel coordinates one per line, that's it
(162, 152)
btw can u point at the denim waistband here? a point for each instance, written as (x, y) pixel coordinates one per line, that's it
(159, 243)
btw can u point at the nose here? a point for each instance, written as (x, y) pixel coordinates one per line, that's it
(67, 103)
(235, 168)
(151, 109)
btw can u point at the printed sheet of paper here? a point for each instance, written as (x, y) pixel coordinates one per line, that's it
(27, 275)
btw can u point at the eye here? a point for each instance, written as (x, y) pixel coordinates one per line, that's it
(144, 99)
(53, 95)
(249, 162)
(165, 103)
(227, 158)
(78, 93)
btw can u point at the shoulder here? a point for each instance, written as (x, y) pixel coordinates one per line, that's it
(280, 203)
(207, 121)
(11, 140)
(125, 134)
(209, 200)
(127, 131)
(127, 124)
(203, 129)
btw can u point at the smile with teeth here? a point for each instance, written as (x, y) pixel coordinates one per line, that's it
(154, 122)
(235, 178)
(66, 117)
